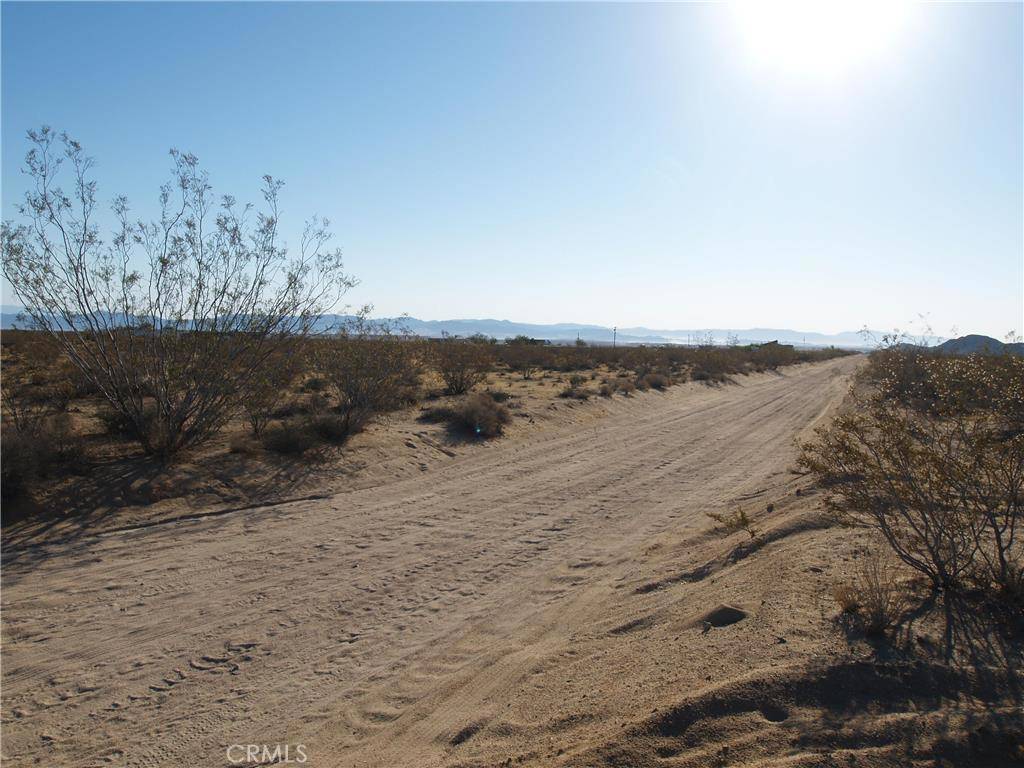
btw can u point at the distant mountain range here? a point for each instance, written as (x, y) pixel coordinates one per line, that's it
(569, 332)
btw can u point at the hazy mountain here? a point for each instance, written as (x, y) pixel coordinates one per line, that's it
(569, 332)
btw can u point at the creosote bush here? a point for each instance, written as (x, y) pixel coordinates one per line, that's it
(462, 363)
(933, 459)
(369, 368)
(179, 315)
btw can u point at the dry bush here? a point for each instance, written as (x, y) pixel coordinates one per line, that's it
(524, 356)
(657, 381)
(734, 521)
(49, 449)
(462, 364)
(479, 415)
(216, 297)
(876, 597)
(482, 416)
(575, 393)
(269, 387)
(935, 467)
(370, 369)
(291, 438)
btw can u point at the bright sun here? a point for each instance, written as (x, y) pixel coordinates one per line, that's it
(818, 40)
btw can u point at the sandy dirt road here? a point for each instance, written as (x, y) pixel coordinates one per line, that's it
(395, 625)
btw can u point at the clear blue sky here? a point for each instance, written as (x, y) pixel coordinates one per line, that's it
(617, 164)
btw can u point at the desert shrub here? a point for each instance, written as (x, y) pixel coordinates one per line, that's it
(575, 393)
(268, 388)
(731, 522)
(315, 384)
(656, 381)
(499, 396)
(523, 357)
(50, 448)
(291, 438)
(481, 416)
(117, 424)
(607, 389)
(216, 297)
(29, 403)
(938, 471)
(462, 364)
(331, 427)
(241, 444)
(875, 597)
(625, 386)
(369, 368)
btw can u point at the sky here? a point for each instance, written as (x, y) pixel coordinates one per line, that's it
(660, 165)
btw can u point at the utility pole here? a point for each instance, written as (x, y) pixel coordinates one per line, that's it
(615, 335)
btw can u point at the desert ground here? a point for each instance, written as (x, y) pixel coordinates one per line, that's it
(558, 597)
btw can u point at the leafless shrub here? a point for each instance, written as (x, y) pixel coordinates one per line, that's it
(217, 296)
(876, 596)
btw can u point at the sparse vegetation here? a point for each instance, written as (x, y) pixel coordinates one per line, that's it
(875, 597)
(931, 455)
(479, 415)
(736, 520)
(369, 369)
(462, 363)
(176, 347)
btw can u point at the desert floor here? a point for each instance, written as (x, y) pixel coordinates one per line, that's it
(546, 599)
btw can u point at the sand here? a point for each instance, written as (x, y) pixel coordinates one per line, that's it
(557, 597)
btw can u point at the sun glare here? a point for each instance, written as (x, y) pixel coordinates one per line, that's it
(818, 40)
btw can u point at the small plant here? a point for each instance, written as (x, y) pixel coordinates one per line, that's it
(737, 520)
(575, 393)
(875, 597)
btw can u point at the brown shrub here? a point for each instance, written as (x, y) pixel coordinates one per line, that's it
(370, 369)
(481, 416)
(291, 438)
(657, 381)
(875, 597)
(462, 364)
(50, 449)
